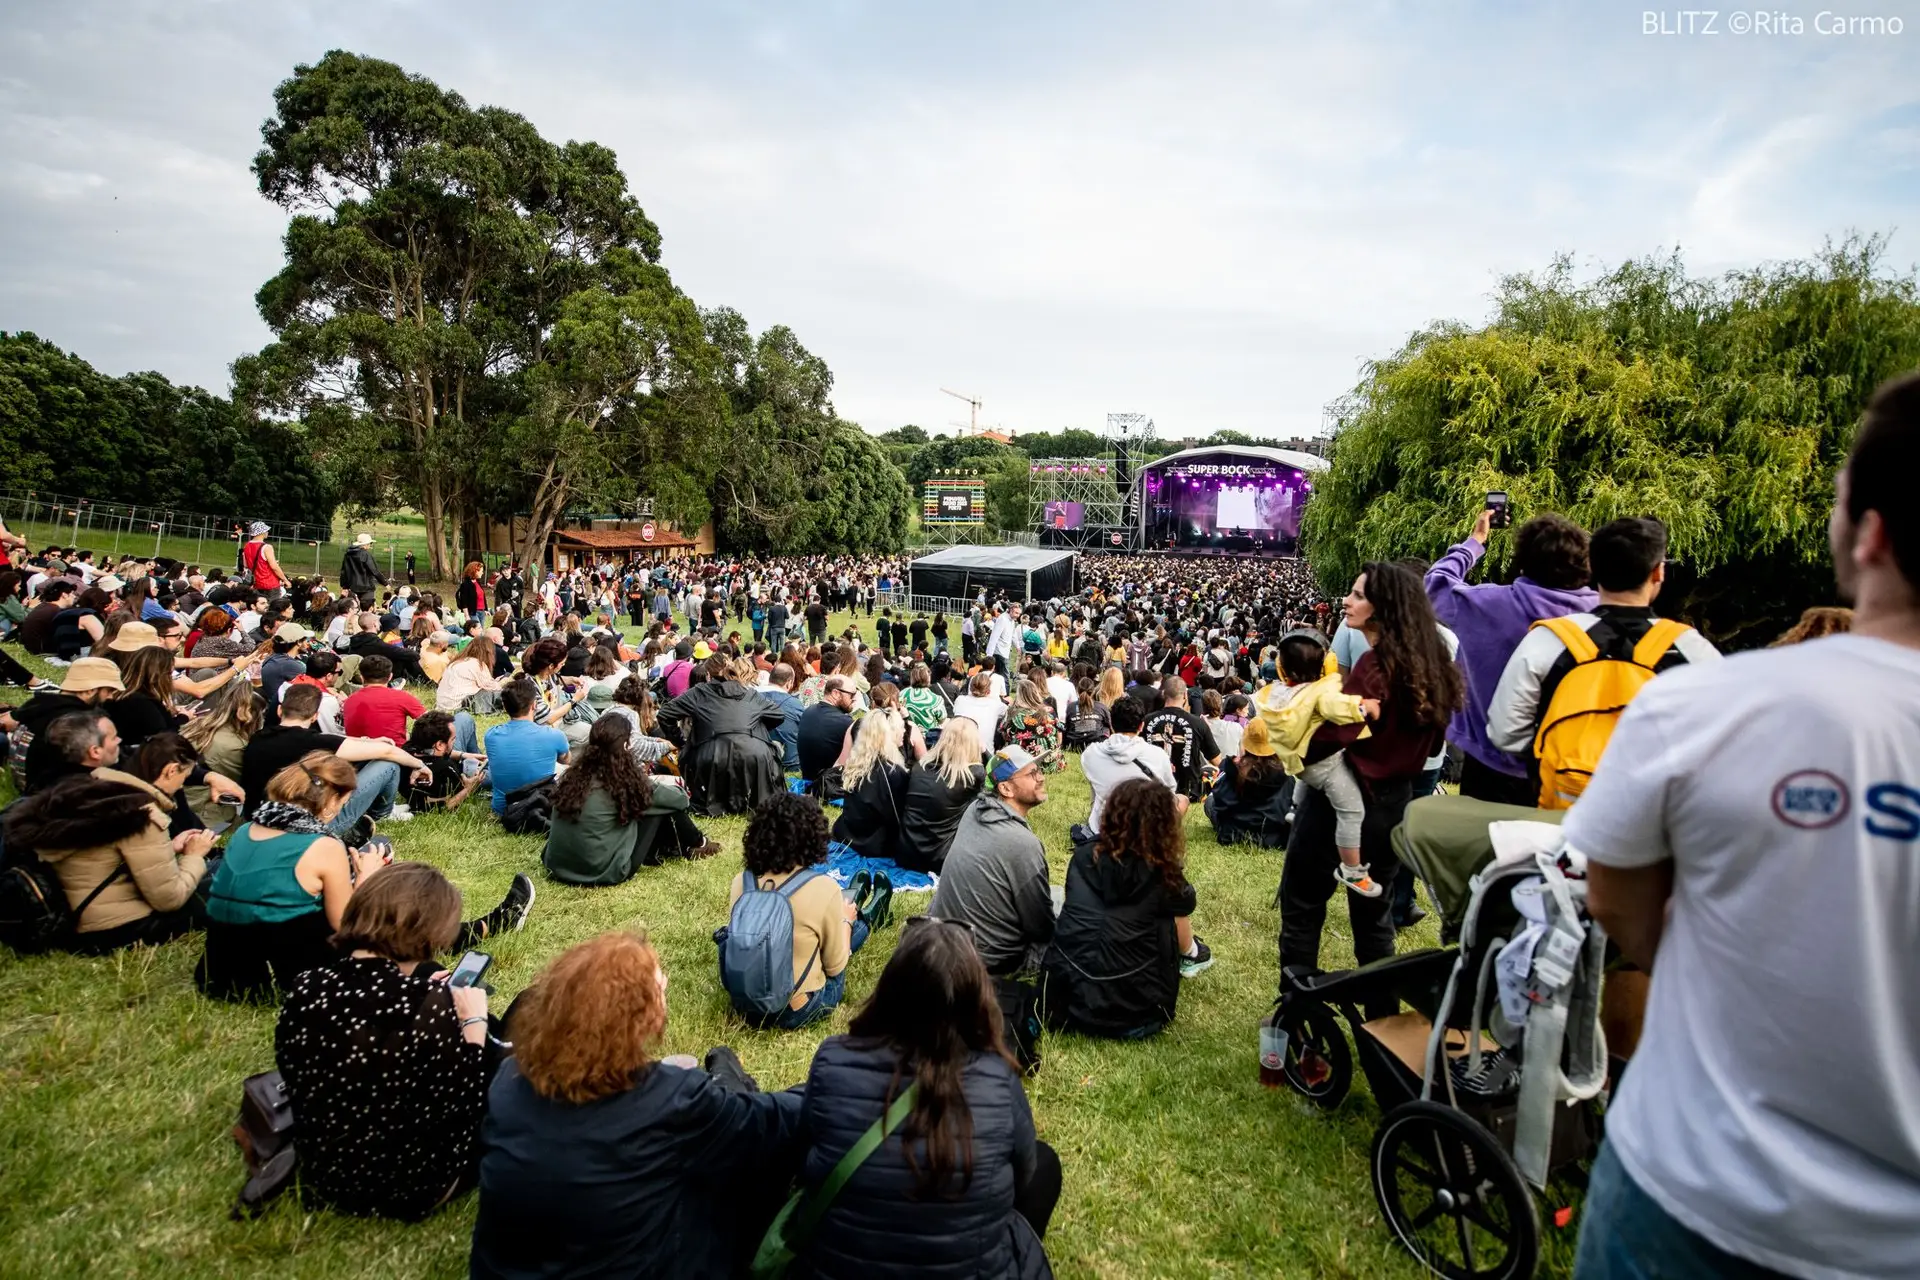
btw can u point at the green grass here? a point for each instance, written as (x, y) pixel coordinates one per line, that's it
(118, 1085)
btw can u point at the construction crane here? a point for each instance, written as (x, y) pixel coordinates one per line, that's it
(973, 417)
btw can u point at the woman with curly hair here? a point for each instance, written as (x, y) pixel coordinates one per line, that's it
(599, 1157)
(1124, 938)
(471, 594)
(610, 819)
(1410, 674)
(787, 838)
(967, 1189)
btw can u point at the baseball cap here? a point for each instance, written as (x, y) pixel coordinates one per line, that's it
(291, 632)
(1255, 740)
(87, 674)
(133, 636)
(258, 526)
(1008, 761)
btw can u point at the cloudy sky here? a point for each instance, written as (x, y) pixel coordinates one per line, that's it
(1212, 213)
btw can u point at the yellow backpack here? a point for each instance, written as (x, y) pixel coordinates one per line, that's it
(1578, 719)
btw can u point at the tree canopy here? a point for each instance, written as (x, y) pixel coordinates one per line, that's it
(67, 428)
(1723, 407)
(475, 320)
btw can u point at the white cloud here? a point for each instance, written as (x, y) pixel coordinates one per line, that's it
(1213, 214)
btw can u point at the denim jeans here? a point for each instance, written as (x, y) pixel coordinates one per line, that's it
(826, 999)
(372, 798)
(466, 733)
(1626, 1235)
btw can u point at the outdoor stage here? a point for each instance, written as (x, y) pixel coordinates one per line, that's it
(1241, 500)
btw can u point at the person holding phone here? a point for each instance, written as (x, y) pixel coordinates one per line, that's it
(1490, 619)
(387, 1057)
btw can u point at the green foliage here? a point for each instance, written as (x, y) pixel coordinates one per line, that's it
(1723, 407)
(475, 321)
(66, 427)
(909, 434)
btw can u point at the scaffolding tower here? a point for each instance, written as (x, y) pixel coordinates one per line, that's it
(1102, 493)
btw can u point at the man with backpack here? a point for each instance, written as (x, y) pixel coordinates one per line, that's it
(1568, 681)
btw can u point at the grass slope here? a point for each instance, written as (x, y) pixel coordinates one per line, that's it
(118, 1084)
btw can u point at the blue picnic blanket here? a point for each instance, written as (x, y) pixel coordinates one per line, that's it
(843, 864)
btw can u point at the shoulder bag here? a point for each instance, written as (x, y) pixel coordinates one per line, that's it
(794, 1226)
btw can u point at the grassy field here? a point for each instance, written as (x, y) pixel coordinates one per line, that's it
(118, 1084)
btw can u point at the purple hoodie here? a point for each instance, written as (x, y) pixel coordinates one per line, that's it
(1490, 620)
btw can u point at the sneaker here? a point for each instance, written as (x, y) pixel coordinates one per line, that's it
(1197, 963)
(39, 685)
(877, 910)
(1412, 918)
(400, 813)
(511, 914)
(1357, 879)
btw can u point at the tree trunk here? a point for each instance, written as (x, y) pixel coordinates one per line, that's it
(549, 504)
(433, 510)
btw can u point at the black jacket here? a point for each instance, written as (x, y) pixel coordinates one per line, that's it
(358, 573)
(930, 814)
(1114, 966)
(731, 762)
(822, 731)
(43, 764)
(664, 1179)
(870, 821)
(879, 1226)
(1243, 810)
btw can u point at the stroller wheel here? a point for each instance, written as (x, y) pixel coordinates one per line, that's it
(1319, 1063)
(1453, 1195)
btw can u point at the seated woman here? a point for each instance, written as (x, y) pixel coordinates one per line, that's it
(105, 834)
(1114, 966)
(1254, 795)
(610, 819)
(633, 703)
(964, 1188)
(220, 734)
(168, 763)
(875, 777)
(386, 1065)
(731, 762)
(597, 1159)
(1031, 725)
(282, 889)
(939, 789)
(787, 835)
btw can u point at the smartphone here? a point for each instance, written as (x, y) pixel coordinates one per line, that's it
(472, 967)
(1502, 513)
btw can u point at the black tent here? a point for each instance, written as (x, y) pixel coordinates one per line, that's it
(1026, 573)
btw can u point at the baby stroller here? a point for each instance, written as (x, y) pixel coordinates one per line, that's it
(1480, 1106)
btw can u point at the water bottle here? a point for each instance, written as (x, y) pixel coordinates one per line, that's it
(1273, 1051)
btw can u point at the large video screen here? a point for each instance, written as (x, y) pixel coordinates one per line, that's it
(1061, 514)
(955, 500)
(1239, 508)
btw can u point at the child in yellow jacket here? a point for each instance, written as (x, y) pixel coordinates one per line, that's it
(1296, 714)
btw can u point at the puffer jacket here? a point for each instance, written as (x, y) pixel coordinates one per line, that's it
(879, 1226)
(1114, 966)
(87, 826)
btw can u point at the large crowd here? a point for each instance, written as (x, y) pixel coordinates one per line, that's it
(227, 748)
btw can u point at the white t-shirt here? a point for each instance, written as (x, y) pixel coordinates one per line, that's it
(1773, 1106)
(1063, 695)
(985, 712)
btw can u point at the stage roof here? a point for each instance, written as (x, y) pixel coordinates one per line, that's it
(1020, 558)
(1285, 457)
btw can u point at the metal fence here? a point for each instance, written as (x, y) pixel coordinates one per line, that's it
(129, 526)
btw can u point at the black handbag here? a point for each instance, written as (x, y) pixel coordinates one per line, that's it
(264, 1134)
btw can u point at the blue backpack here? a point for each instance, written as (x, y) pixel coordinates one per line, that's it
(756, 947)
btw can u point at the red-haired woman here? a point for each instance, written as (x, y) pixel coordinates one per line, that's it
(601, 1159)
(471, 594)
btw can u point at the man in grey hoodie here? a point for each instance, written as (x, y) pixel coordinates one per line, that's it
(995, 877)
(1122, 757)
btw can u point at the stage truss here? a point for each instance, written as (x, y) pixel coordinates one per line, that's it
(1105, 490)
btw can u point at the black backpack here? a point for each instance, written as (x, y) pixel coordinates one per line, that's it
(34, 915)
(528, 811)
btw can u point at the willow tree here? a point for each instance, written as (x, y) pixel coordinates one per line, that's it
(1723, 407)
